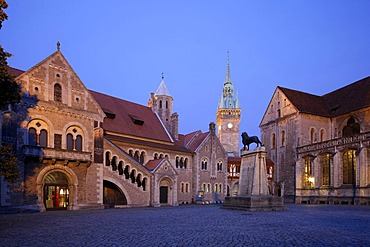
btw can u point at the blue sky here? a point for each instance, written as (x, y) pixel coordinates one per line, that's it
(121, 48)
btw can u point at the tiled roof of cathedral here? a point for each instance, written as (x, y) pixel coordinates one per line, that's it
(350, 98)
(307, 103)
(128, 118)
(15, 72)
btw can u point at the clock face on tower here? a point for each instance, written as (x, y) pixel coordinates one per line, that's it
(229, 125)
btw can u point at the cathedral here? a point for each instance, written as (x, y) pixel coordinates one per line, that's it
(81, 149)
(320, 145)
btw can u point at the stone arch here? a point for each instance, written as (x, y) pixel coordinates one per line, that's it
(107, 158)
(166, 191)
(120, 186)
(72, 184)
(120, 167)
(114, 163)
(84, 134)
(350, 126)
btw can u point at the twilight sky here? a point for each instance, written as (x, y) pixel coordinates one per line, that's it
(122, 47)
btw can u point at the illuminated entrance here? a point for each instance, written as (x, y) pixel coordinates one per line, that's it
(56, 193)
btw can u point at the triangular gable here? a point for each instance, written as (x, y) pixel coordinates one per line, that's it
(41, 78)
(271, 111)
(161, 166)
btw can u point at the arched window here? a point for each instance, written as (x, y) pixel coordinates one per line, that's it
(143, 184)
(219, 166)
(187, 188)
(136, 156)
(38, 133)
(160, 104)
(273, 140)
(349, 167)
(138, 180)
(74, 139)
(142, 155)
(120, 168)
(107, 159)
(352, 128)
(322, 137)
(133, 176)
(114, 163)
(79, 143)
(182, 187)
(185, 163)
(283, 138)
(32, 137)
(57, 92)
(166, 104)
(43, 138)
(69, 142)
(204, 164)
(177, 162)
(181, 162)
(312, 135)
(127, 172)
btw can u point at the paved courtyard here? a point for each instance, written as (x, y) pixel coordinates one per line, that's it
(190, 225)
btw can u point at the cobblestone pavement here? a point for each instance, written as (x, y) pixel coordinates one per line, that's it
(190, 225)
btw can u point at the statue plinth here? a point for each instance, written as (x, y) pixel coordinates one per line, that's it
(253, 194)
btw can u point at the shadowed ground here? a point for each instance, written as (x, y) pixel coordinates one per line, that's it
(190, 225)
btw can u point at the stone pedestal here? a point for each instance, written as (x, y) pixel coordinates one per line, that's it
(253, 194)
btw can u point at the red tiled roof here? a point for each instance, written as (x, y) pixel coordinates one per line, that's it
(307, 103)
(15, 72)
(197, 140)
(350, 98)
(128, 118)
(176, 147)
(151, 165)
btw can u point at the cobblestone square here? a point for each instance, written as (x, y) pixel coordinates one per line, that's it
(190, 225)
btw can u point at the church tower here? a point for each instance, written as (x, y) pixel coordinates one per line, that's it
(228, 116)
(161, 103)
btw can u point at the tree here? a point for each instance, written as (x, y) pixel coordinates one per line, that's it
(10, 94)
(8, 161)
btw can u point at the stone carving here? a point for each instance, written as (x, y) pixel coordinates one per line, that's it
(247, 140)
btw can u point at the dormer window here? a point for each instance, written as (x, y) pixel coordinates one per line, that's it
(136, 120)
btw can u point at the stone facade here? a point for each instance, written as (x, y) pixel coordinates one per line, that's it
(82, 149)
(319, 144)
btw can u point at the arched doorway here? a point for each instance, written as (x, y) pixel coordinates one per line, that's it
(112, 195)
(56, 192)
(165, 188)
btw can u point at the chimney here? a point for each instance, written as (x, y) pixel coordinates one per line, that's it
(212, 128)
(174, 126)
(151, 101)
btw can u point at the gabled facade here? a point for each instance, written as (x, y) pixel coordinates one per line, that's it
(56, 132)
(320, 144)
(210, 169)
(81, 149)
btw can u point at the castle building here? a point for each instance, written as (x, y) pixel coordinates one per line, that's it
(79, 149)
(320, 145)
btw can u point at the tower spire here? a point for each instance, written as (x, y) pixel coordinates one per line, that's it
(228, 75)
